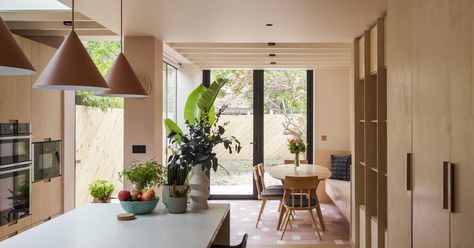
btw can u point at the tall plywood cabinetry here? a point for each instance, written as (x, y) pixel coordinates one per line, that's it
(43, 109)
(370, 89)
(430, 93)
(399, 129)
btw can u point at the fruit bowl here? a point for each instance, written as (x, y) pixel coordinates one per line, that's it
(140, 207)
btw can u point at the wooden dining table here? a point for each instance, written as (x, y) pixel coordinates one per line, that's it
(304, 170)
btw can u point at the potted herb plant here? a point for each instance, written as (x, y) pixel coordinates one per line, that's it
(144, 175)
(195, 148)
(296, 146)
(101, 191)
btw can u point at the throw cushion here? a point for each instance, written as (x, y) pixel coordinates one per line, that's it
(341, 167)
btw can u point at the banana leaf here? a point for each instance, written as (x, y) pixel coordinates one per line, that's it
(206, 101)
(170, 127)
(192, 112)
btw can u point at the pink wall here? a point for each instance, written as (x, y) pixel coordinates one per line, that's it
(143, 117)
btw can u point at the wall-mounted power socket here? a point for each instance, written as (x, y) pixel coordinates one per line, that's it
(138, 148)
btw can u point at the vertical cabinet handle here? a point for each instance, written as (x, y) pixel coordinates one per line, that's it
(452, 177)
(445, 184)
(408, 172)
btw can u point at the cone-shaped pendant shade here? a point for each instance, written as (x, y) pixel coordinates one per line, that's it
(71, 68)
(122, 80)
(12, 59)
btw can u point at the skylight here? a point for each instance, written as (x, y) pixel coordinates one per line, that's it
(6, 5)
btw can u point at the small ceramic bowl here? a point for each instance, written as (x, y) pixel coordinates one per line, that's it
(139, 207)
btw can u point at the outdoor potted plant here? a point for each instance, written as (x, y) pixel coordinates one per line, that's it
(143, 176)
(101, 190)
(296, 146)
(195, 148)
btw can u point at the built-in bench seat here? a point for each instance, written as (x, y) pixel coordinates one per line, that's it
(339, 192)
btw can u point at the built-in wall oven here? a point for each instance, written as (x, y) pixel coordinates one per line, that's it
(15, 172)
(46, 159)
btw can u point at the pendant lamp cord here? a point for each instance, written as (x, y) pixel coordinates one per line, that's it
(121, 26)
(73, 15)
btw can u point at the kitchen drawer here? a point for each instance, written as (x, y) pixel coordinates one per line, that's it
(11, 229)
(46, 199)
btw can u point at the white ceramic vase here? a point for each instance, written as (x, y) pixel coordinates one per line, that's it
(199, 184)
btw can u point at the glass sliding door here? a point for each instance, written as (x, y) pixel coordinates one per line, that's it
(234, 177)
(264, 108)
(285, 108)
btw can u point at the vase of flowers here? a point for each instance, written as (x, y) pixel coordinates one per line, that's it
(195, 148)
(296, 146)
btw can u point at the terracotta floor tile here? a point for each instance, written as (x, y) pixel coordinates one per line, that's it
(302, 232)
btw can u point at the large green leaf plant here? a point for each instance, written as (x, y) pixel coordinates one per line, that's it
(203, 134)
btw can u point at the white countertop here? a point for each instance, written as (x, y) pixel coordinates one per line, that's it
(96, 226)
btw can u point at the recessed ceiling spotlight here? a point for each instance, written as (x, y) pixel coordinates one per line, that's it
(67, 23)
(269, 24)
(273, 63)
(271, 43)
(272, 55)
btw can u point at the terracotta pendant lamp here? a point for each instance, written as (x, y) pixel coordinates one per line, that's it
(71, 67)
(13, 62)
(122, 80)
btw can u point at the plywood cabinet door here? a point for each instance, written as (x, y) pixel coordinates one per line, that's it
(46, 199)
(46, 104)
(15, 91)
(431, 122)
(21, 88)
(399, 112)
(461, 70)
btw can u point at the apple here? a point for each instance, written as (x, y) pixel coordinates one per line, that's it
(152, 192)
(148, 196)
(140, 197)
(124, 195)
(136, 192)
(133, 198)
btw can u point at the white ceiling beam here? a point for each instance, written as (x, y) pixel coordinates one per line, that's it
(41, 15)
(266, 51)
(270, 66)
(63, 32)
(258, 45)
(263, 56)
(53, 25)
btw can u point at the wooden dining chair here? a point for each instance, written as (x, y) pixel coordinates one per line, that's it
(291, 161)
(263, 193)
(300, 195)
(261, 169)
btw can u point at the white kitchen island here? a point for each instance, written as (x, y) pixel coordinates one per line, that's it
(96, 226)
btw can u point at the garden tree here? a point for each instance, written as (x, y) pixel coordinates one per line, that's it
(103, 53)
(284, 93)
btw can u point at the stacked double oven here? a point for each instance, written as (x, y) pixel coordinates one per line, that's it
(15, 171)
